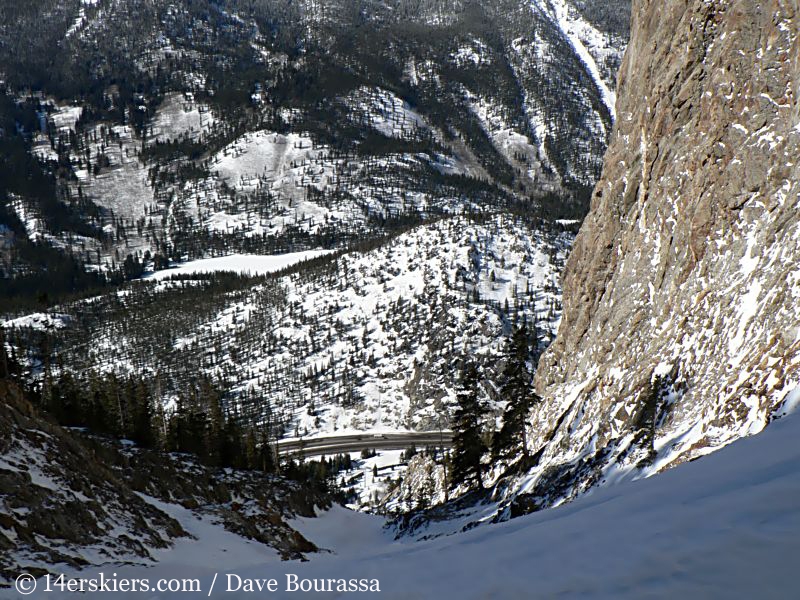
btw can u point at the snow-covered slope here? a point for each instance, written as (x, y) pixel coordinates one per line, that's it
(592, 47)
(246, 264)
(216, 127)
(70, 500)
(726, 526)
(363, 341)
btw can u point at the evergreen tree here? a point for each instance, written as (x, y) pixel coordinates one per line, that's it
(188, 428)
(266, 458)
(468, 445)
(5, 363)
(142, 411)
(517, 389)
(215, 442)
(251, 452)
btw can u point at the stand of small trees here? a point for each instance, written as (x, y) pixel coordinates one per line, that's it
(515, 387)
(127, 408)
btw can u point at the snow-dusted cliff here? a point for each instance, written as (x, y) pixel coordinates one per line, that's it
(681, 331)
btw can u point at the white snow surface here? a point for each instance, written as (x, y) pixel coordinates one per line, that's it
(246, 264)
(266, 154)
(588, 44)
(179, 116)
(385, 112)
(369, 343)
(726, 526)
(40, 321)
(65, 117)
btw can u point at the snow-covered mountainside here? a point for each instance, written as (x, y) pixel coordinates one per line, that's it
(680, 330)
(726, 526)
(217, 127)
(75, 501)
(44, 476)
(360, 341)
(265, 222)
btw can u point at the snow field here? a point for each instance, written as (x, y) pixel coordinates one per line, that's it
(245, 264)
(726, 526)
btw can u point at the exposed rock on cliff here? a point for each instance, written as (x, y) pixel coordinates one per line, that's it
(76, 500)
(59, 504)
(681, 330)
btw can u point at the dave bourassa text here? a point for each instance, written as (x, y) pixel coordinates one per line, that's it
(292, 583)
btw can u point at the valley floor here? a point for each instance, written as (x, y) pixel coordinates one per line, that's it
(727, 525)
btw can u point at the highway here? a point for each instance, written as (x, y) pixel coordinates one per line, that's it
(342, 444)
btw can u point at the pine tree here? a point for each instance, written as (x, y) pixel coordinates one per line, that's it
(251, 452)
(5, 367)
(143, 431)
(516, 388)
(215, 432)
(468, 445)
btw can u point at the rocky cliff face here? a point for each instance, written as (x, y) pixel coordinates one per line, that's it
(681, 329)
(74, 500)
(59, 504)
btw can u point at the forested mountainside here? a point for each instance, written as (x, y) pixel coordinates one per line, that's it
(365, 340)
(433, 161)
(680, 328)
(443, 152)
(202, 127)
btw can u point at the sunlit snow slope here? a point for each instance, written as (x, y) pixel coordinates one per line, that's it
(725, 526)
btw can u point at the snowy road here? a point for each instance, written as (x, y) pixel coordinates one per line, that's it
(355, 443)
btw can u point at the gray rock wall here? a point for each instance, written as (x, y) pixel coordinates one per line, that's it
(681, 329)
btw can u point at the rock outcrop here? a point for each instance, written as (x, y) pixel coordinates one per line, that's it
(60, 505)
(75, 500)
(681, 328)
